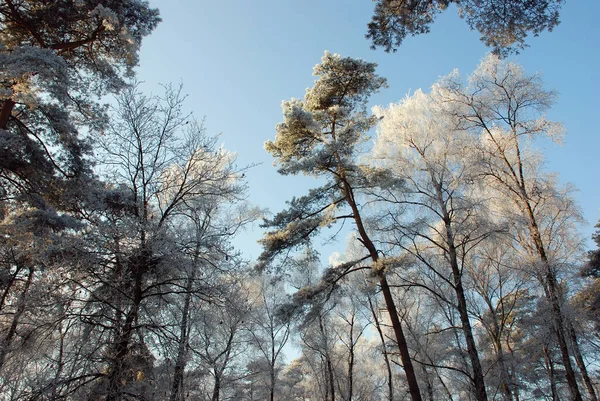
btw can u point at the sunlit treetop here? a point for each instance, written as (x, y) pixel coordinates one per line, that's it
(323, 130)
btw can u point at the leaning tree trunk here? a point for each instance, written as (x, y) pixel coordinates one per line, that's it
(581, 363)
(411, 378)
(351, 357)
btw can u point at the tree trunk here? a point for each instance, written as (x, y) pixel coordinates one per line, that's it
(9, 284)
(552, 294)
(272, 367)
(478, 381)
(330, 382)
(121, 350)
(504, 376)
(272, 384)
(452, 255)
(581, 363)
(331, 377)
(559, 325)
(551, 373)
(6, 112)
(177, 387)
(216, 388)
(7, 340)
(351, 361)
(427, 383)
(411, 379)
(384, 350)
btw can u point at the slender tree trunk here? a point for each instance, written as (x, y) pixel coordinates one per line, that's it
(328, 365)
(427, 383)
(272, 385)
(10, 284)
(511, 373)
(411, 378)
(351, 361)
(331, 376)
(478, 381)
(7, 340)
(220, 371)
(551, 372)
(504, 377)
(177, 387)
(506, 380)
(552, 293)
(409, 370)
(550, 283)
(384, 351)
(60, 362)
(452, 255)
(581, 363)
(272, 367)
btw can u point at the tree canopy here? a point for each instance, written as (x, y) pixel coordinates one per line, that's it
(458, 271)
(503, 24)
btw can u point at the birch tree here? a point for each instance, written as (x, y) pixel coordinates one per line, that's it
(505, 106)
(419, 143)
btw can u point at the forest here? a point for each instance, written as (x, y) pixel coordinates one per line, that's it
(461, 268)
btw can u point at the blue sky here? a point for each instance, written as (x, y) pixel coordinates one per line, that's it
(239, 59)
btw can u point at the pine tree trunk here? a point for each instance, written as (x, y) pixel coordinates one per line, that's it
(7, 340)
(581, 363)
(411, 378)
(6, 112)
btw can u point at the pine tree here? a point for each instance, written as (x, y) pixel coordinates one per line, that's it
(322, 136)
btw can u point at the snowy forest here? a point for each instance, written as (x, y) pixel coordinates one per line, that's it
(464, 273)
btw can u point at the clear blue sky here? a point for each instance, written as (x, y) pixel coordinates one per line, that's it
(239, 59)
